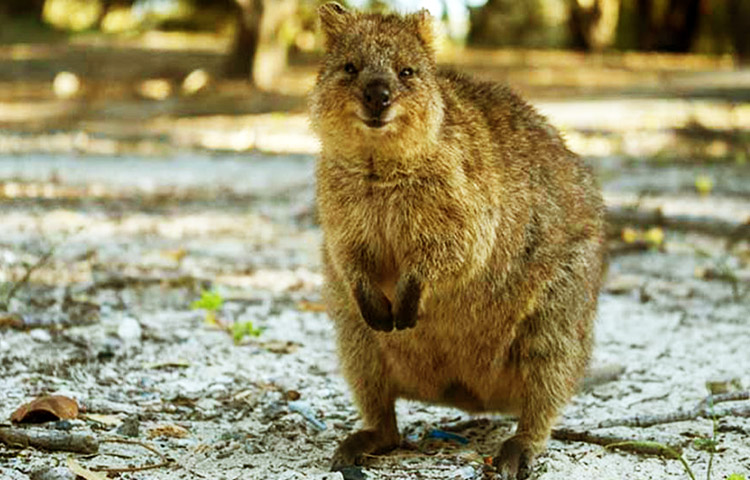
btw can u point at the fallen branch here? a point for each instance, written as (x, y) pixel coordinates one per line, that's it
(616, 441)
(735, 231)
(52, 440)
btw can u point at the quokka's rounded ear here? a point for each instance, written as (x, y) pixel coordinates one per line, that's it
(425, 27)
(333, 20)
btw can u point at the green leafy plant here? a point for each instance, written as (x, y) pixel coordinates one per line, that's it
(211, 302)
(241, 330)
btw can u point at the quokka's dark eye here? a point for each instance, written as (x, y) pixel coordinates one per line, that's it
(350, 68)
(406, 72)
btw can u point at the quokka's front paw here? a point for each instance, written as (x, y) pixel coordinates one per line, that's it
(408, 293)
(374, 306)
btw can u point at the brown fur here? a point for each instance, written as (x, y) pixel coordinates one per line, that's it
(465, 224)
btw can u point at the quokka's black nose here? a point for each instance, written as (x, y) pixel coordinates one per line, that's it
(377, 97)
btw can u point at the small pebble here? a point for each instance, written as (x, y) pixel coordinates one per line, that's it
(64, 425)
(40, 335)
(53, 473)
(129, 330)
(468, 472)
(130, 427)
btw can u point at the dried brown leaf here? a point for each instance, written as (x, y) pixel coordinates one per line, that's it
(168, 430)
(83, 472)
(12, 320)
(280, 346)
(307, 306)
(40, 409)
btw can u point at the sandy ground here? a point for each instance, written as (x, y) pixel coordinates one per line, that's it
(136, 239)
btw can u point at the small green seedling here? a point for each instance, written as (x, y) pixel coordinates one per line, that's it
(705, 444)
(736, 476)
(211, 302)
(241, 330)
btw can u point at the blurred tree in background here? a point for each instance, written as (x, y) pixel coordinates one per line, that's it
(593, 23)
(246, 38)
(739, 27)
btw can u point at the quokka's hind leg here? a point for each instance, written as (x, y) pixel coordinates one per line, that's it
(369, 381)
(551, 362)
(543, 400)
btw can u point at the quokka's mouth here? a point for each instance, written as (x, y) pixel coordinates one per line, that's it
(376, 123)
(379, 121)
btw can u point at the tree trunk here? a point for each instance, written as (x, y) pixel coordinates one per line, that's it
(739, 28)
(645, 28)
(675, 31)
(239, 63)
(22, 8)
(593, 23)
(681, 25)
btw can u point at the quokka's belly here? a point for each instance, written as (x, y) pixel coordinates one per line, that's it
(458, 363)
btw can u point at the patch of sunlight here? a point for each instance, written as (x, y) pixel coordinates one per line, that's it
(24, 51)
(66, 85)
(27, 111)
(295, 81)
(272, 133)
(55, 191)
(195, 81)
(118, 20)
(163, 10)
(626, 114)
(64, 142)
(155, 40)
(75, 15)
(275, 280)
(237, 141)
(155, 88)
(206, 224)
(598, 146)
(731, 209)
(564, 59)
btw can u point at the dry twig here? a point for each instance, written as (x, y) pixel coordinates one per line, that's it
(723, 397)
(164, 460)
(26, 277)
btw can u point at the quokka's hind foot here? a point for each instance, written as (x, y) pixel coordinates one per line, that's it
(515, 460)
(350, 452)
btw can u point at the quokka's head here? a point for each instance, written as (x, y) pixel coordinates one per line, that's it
(377, 84)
